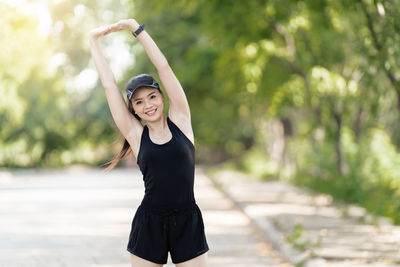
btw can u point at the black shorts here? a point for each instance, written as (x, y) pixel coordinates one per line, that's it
(179, 230)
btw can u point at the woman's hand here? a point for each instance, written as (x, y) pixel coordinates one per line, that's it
(99, 31)
(130, 24)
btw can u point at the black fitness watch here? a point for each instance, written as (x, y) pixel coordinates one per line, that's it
(139, 30)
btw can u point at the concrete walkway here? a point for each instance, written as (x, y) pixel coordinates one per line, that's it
(321, 233)
(82, 217)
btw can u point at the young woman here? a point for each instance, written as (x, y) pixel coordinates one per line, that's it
(168, 218)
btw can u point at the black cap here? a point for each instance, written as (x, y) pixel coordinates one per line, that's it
(141, 80)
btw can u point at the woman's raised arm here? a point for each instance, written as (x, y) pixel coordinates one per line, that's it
(178, 104)
(119, 111)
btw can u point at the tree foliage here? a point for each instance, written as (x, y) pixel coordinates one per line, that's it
(310, 88)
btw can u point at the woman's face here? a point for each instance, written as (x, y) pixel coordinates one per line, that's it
(148, 103)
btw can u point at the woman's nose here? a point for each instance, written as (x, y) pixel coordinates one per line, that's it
(147, 104)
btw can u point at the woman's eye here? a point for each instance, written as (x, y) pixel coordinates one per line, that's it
(152, 96)
(137, 103)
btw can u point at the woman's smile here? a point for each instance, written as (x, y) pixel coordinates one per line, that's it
(151, 113)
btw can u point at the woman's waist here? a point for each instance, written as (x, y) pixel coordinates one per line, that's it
(155, 206)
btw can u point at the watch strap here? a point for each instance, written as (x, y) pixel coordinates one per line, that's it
(139, 30)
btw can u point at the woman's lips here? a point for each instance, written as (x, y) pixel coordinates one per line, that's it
(151, 113)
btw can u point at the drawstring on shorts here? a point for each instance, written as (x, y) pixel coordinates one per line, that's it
(170, 212)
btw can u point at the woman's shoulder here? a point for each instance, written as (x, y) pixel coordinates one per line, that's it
(134, 138)
(184, 124)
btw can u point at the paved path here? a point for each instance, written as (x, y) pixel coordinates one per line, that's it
(325, 233)
(80, 217)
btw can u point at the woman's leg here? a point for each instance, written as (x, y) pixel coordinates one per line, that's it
(140, 262)
(199, 261)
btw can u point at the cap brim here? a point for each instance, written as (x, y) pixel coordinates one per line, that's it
(130, 92)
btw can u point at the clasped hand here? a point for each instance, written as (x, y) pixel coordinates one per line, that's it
(130, 24)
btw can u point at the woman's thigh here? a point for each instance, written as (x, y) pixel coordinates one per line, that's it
(140, 262)
(199, 261)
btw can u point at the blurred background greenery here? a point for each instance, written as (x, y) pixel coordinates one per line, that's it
(303, 91)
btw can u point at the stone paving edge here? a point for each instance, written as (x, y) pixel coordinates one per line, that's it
(270, 234)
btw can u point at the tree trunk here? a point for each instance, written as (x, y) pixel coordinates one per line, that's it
(357, 125)
(341, 164)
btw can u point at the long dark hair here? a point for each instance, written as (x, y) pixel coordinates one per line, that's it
(126, 148)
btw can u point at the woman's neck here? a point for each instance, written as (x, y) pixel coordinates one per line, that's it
(158, 126)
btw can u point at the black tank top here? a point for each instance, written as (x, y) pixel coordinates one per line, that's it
(168, 169)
